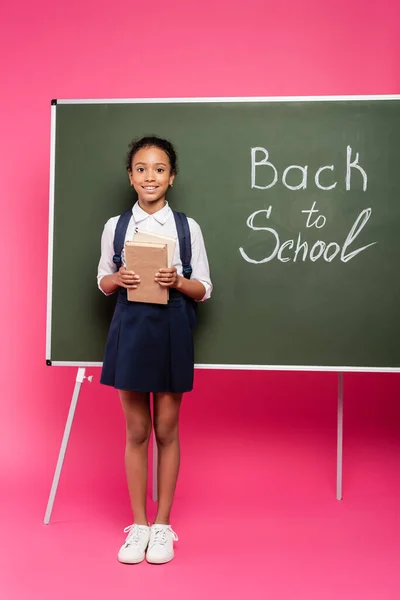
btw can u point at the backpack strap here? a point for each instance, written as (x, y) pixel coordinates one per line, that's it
(185, 242)
(119, 236)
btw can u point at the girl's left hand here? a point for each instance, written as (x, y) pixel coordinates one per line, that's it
(167, 277)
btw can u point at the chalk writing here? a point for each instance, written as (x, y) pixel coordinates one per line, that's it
(271, 172)
(302, 249)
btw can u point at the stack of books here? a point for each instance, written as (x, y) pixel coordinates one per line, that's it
(145, 255)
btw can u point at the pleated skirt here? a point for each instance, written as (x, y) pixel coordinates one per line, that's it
(150, 346)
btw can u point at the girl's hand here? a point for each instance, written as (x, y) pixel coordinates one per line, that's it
(167, 277)
(127, 279)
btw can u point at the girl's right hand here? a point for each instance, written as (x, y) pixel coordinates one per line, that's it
(127, 279)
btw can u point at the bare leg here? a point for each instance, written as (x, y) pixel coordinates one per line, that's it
(136, 408)
(166, 420)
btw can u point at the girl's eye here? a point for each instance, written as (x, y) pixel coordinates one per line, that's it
(160, 170)
(140, 169)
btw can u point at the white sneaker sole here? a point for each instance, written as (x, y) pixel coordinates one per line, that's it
(160, 561)
(131, 561)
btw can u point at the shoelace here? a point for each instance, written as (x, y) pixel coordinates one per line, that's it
(135, 532)
(160, 535)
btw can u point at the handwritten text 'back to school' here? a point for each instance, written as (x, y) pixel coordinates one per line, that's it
(324, 179)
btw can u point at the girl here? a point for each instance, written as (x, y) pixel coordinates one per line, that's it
(150, 347)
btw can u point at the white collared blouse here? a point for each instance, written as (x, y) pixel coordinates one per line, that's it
(160, 222)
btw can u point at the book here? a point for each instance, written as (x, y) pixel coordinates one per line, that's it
(145, 259)
(160, 238)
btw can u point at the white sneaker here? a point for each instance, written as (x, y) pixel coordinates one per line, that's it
(161, 544)
(134, 548)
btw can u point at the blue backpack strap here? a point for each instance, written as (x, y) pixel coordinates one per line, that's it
(185, 248)
(185, 242)
(119, 236)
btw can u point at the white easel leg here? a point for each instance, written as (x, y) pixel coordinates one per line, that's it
(78, 382)
(339, 463)
(155, 469)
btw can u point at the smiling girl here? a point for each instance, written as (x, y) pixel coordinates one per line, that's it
(150, 346)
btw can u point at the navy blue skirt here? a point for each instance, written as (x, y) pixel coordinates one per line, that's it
(150, 346)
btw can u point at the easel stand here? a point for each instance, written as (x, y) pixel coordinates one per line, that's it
(155, 469)
(339, 460)
(80, 376)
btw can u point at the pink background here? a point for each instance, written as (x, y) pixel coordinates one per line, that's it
(176, 48)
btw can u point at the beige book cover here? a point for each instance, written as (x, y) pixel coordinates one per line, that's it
(151, 236)
(145, 259)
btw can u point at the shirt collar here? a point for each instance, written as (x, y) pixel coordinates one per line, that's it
(161, 215)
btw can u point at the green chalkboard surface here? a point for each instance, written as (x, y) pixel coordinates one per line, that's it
(299, 206)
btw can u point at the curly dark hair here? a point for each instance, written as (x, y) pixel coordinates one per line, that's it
(155, 142)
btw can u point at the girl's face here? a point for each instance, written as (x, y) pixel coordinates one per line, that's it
(151, 175)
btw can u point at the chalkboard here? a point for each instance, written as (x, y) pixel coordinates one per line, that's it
(299, 206)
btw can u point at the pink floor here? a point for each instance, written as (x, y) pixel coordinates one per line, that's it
(255, 507)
